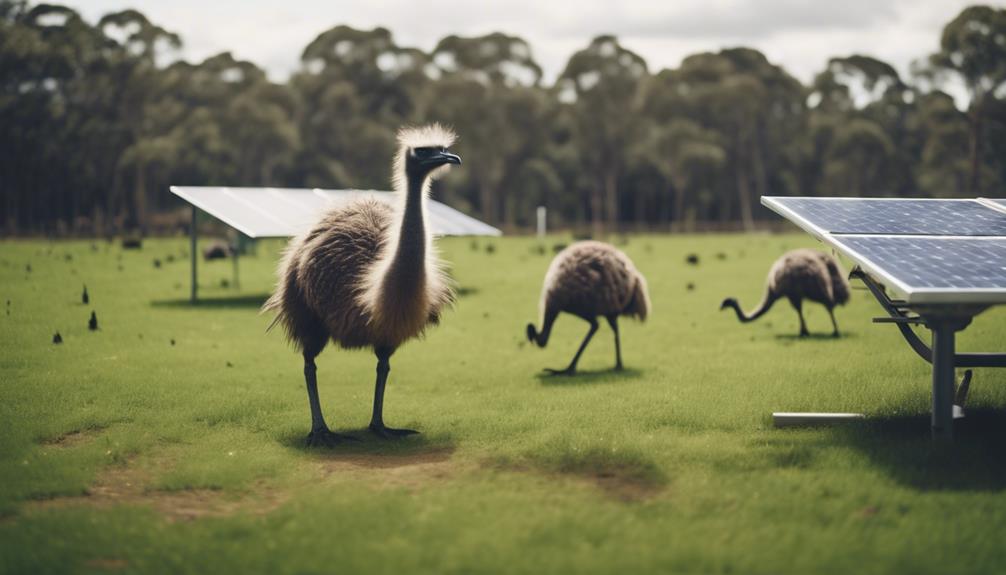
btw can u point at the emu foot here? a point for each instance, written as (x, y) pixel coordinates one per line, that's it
(323, 437)
(567, 371)
(619, 367)
(390, 432)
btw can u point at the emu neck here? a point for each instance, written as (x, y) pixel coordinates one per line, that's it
(408, 265)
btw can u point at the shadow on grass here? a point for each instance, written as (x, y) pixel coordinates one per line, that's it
(623, 474)
(253, 301)
(589, 377)
(903, 448)
(466, 291)
(816, 337)
(373, 451)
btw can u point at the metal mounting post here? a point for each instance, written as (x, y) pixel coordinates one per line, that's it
(943, 379)
(192, 254)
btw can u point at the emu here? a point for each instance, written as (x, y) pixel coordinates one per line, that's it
(590, 279)
(798, 275)
(367, 276)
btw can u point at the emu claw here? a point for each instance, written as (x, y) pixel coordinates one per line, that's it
(391, 432)
(326, 438)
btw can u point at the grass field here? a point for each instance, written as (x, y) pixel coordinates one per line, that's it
(171, 439)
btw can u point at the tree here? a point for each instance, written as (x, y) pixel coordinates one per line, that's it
(603, 86)
(973, 49)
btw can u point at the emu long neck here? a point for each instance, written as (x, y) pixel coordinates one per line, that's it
(409, 262)
(764, 306)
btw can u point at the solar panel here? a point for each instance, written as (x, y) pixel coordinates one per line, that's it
(931, 217)
(284, 212)
(933, 269)
(999, 204)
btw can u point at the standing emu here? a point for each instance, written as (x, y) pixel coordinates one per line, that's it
(798, 275)
(367, 275)
(590, 279)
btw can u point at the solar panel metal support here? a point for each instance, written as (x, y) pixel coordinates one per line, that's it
(944, 380)
(192, 254)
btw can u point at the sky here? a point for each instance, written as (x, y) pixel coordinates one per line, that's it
(800, 35)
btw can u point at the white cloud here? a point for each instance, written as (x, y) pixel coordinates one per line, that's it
(800, 35)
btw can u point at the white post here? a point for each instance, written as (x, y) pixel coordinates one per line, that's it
(541, 221)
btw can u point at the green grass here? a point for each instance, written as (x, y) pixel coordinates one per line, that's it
(121, 451)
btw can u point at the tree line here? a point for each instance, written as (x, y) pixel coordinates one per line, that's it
(97, 119)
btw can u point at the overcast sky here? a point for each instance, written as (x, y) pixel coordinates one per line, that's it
(798, 34)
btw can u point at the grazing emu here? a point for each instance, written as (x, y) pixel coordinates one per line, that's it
(590, 279)
(367, 275)
(798, 275)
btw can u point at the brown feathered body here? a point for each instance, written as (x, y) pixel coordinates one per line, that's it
(591, 279)
(366, 275)
(798, 275)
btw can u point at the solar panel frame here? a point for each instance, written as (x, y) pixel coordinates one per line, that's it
(970, 217)
(285, 212)
(910, 294)
(917, 294)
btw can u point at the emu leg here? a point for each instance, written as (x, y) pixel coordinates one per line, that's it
(377, 420)
(613, 322)
(798, 305)
(834, 324)
(320, 434)
(571, 369)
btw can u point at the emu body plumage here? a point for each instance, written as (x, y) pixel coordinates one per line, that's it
(591, 279)
(367, 275)
(798, 275)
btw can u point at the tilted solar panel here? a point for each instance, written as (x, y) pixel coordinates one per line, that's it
(284, 212)
(931, 217)
(933, 269)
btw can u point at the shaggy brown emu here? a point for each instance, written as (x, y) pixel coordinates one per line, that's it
(590, 279)
(798, 275)
(367, 275)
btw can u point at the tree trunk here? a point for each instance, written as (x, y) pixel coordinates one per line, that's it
(743, 190)
(596, 217)
(611, 198)
(974, 187)
(140, 199)
(486, 199)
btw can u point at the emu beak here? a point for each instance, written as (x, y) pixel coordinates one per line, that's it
(442, 158)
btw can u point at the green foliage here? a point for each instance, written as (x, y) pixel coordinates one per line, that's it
(192, 454)
(97, 119)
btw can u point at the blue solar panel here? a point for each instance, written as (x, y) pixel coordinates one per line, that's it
(925, 263)
(893, 216)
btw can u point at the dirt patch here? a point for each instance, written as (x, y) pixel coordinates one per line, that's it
(409, 470)
(74, 438)
(130, 484)
(626, 485)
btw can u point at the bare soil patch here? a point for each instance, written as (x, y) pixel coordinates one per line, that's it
(131, 484)
(409, 470)
(74, 438)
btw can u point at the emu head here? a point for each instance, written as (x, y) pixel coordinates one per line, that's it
(423, 152)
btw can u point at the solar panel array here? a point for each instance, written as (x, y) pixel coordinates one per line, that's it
(931, 251)
(898, 217)
(284, 212)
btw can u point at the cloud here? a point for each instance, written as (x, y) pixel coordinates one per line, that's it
(738, 19)
(800, 35)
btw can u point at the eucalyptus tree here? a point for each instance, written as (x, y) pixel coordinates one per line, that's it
(488, 88)
(603, 86)
(973, 51)
(356, 87)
